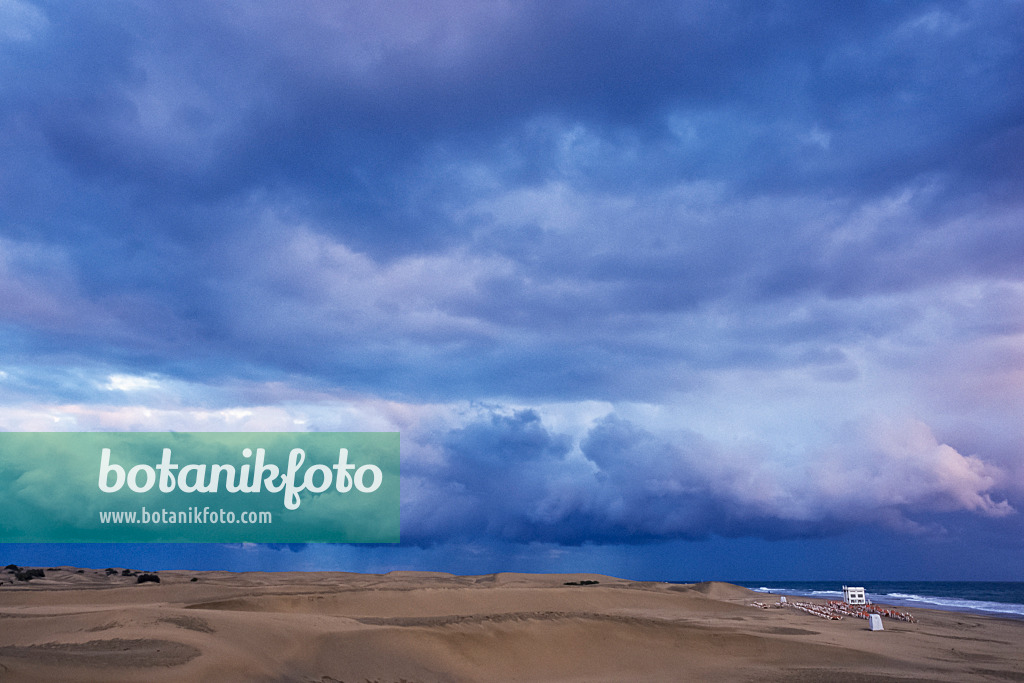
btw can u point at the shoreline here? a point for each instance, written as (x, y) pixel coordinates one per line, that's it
(924, 597)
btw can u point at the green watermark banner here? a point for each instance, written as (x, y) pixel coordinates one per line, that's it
(199, 487)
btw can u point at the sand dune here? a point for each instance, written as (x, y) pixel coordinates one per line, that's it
(323, 627)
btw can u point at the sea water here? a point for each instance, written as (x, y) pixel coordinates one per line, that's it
(994, 598)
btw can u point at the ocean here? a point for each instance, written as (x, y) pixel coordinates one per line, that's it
(994, 598)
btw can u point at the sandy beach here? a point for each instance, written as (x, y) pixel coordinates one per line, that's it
(323, 627)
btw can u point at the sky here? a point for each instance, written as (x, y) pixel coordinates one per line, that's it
(671, 290)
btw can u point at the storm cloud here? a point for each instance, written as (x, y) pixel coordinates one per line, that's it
(622, 274)
(509, 477)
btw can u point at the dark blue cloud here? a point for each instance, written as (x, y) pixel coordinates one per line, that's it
(509, 478)
(222, 103)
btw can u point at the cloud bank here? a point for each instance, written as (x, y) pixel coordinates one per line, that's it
(622, 275)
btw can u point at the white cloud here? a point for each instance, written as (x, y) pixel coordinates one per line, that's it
(901, 463)
(819, 137)
(130, 383)
(20, 21)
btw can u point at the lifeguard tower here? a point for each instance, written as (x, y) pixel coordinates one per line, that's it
(854, 595)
